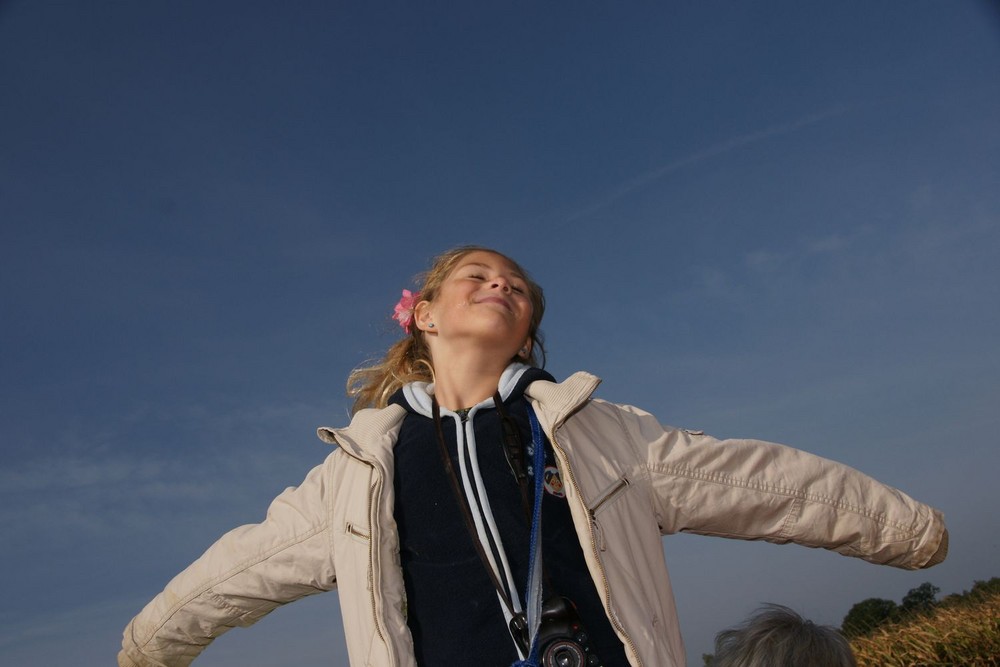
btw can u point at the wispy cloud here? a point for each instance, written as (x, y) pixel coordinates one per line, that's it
(91, 488)
(805, 250)
(73, 473)
(19, 629)
(736, 281)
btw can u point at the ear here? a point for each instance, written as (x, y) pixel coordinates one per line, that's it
(525, 350)
(422, 317)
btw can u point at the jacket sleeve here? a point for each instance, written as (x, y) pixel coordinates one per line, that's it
(755, 490)
(246, 574)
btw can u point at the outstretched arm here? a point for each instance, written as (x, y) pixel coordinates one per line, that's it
(755, 490)
(246, 574)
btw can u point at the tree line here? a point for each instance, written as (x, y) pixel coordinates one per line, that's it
(869, 614)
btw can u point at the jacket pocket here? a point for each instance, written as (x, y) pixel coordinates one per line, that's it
(358, 533)
(363, 537)
(601, 503)
(609, 496)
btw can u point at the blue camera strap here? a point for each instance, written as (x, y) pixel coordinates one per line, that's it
(533, 589)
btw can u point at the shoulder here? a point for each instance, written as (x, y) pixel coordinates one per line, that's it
(569, 394)
(370, 432)
(575, 394)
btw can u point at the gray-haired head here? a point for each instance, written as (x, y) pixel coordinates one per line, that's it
(776, 636)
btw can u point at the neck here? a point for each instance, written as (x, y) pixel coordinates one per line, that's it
(465, 380)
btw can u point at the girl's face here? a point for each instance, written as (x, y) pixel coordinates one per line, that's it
(485, 299)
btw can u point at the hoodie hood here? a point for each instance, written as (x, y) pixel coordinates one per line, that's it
(418, 397)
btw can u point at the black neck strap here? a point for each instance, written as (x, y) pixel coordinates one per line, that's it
(513, 449)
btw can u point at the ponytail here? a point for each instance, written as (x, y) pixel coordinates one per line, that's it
(407, 360)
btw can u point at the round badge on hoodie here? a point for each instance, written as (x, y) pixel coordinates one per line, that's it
(553, 482)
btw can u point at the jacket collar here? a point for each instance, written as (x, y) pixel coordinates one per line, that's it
(372, 432)
(370, 435)
(556, 401)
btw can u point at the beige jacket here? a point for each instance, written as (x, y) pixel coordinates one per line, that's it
(628, 479)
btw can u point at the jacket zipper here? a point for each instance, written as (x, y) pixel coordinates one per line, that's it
(595, 550)
(372, 521)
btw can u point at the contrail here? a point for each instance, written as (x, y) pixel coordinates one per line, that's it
(713, 151)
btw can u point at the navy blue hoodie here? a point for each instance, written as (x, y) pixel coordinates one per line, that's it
(453, 611)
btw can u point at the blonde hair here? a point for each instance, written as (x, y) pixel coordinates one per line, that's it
(409, 359)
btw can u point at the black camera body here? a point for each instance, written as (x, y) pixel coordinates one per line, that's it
(562, 639)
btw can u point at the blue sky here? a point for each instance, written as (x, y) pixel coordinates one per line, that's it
(777, 220)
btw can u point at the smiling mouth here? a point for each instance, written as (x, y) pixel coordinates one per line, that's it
(497, 300)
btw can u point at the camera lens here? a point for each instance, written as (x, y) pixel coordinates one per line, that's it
(563, 654)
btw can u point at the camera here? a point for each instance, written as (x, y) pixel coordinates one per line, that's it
(562, 639)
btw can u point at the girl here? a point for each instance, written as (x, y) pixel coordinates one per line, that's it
(475, 510)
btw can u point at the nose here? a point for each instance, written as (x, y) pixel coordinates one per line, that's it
(502, 283)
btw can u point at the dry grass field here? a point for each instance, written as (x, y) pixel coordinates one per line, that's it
(960, 634)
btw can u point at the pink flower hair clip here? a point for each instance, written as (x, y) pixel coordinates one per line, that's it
(403, 312)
